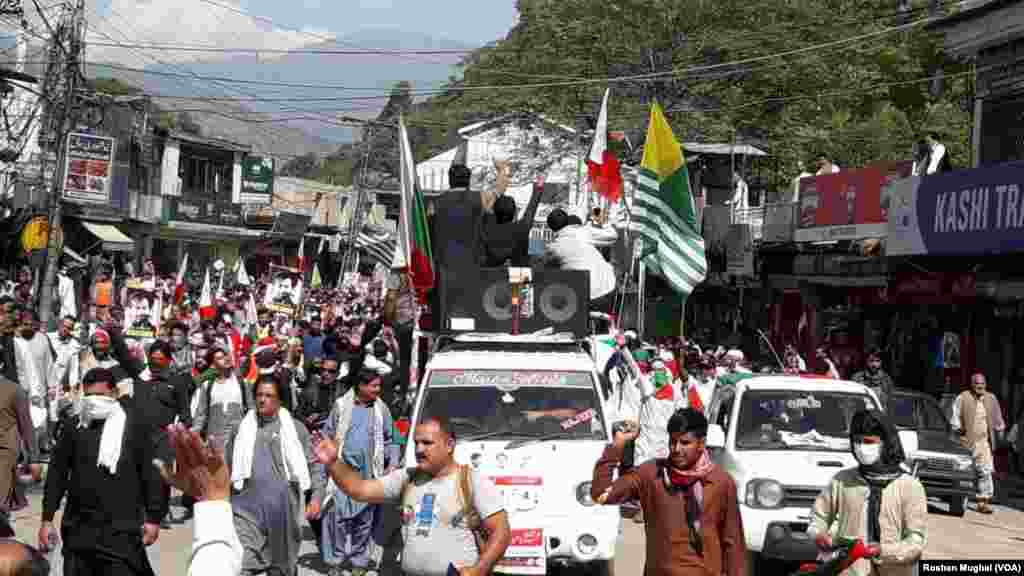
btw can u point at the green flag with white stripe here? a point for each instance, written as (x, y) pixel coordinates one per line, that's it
(663, 212)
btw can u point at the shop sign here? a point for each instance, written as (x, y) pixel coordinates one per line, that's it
(978, 211)
(88, 168)
(847, 205)
(35, 234)
(257, 180)
(935, 288)
(200, 211)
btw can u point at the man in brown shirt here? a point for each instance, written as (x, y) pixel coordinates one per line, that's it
(691, 514)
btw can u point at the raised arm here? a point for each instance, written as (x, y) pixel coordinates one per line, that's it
(348, 480)
(627, 487)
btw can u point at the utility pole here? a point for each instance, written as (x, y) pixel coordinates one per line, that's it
(356, 223)
(68, 41)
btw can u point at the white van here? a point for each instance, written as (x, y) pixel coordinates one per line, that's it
(527, 413)
(782, 438)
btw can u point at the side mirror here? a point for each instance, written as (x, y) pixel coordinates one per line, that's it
(908, 438)
(716, 437)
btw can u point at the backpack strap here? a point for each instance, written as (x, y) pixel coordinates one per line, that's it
(469, 511)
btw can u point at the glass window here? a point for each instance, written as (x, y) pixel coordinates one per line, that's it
(902, 411)
(931, 415)
(505, 404)
(791, 419)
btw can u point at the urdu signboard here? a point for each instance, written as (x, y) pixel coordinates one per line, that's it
(257, 180)
(88, 168)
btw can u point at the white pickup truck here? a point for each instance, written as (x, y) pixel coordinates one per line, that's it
(783, 438)
(527, 413)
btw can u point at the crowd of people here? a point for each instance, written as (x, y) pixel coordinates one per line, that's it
(269, 406)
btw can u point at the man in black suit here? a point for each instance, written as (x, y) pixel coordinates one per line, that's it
(162, 396)
(507, 240)
(104, 465)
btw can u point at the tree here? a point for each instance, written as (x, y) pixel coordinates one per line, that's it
(716, 69)
(305, 166)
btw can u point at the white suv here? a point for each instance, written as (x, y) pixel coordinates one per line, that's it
(783, 438)
(527, 413)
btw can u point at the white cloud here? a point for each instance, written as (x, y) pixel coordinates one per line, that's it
(181, 22)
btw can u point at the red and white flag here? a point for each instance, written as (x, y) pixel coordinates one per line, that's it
(207, 311)
(179, 284)
(302, 254)
(602, 164)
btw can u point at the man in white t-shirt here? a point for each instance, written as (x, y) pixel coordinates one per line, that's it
(438, 528)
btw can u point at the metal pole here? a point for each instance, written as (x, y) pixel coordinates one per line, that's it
(67, 124)
(640, 321)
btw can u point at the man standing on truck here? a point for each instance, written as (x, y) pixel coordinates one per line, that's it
(688, 502)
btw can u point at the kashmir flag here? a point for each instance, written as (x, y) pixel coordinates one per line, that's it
(179, 283)
(413, 250)
(207, 311)
(317, 281)
(663, 210)
(302, 255)
(602, 164)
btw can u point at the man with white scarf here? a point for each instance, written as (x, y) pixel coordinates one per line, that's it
(273, 469)
(362, 425)
(103, 464)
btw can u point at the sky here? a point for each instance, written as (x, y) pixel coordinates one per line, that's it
(199, 22)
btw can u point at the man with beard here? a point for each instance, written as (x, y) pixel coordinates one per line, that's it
(362, 426)
(272, 468)
(103, 464)
(162, 397)
(879, 502)
(978, 420)
(688, 501)
(101, 355)
(876, 378)
(65, 372)
(34, 358)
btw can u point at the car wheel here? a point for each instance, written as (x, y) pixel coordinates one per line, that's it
(957, 505)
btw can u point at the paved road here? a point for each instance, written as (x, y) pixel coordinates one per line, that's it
(975, 536)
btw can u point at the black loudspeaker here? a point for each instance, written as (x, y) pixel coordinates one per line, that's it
(481, 301)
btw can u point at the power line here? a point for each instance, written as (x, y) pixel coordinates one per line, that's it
(324, 51)
(677, 72)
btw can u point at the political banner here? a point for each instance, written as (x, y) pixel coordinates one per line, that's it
(283, 294)
(847, 205)
(142, 310)
(967, 212)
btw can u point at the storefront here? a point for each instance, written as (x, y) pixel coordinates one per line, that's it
(966, 230)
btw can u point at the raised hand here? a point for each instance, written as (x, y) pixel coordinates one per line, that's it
(201, 471)
(326, 451)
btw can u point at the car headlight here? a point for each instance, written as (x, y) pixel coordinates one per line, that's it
(583, 494)
(763, 493)
(964, 464)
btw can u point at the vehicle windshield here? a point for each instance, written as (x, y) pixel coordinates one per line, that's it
(516, 405)
(902, 412)
(797, 420)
